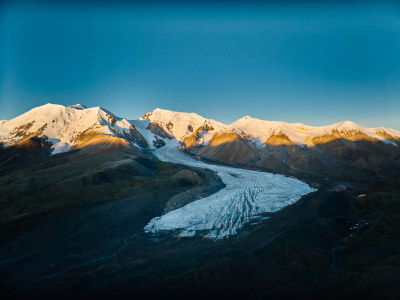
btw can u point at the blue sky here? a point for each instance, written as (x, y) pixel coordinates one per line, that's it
(294, 61)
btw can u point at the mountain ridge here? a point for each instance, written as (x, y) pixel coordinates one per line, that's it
(67, 217)
(289, 148)
(274, 125)
(65, 123)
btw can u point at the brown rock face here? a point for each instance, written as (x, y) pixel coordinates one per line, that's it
(22, 130)
(158, 142)
(223, 138)
(194, 139)
(35, 143)
(21, 134)
(170, 125)
(134, 136)
(354, 135)
(387, 136)
(157, 129)
(227, 147)
(91, 140)
(349, 155)
(279, 139)
(111, 119)
(146, 115)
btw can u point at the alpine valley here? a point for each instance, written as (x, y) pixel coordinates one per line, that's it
(177, 205)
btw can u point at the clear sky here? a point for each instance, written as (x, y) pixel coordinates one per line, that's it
(294, 61)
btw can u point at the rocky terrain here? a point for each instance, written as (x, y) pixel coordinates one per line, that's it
(83, 192)
(341, 151)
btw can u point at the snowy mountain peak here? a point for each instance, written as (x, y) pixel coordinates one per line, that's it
(78, 106)
(349, 125)
(180, 125)
(163, 114)
(302, 134)
(62, 125)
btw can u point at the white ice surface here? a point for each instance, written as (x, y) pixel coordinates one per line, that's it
(247, 195)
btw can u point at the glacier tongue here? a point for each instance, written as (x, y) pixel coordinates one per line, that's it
(247, 195)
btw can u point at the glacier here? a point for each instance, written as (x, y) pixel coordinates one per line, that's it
(246, 196)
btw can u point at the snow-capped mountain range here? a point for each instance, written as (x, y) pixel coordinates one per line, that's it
(64, 125)
(343, 151)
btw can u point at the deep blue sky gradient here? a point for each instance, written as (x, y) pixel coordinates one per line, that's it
(294, 61)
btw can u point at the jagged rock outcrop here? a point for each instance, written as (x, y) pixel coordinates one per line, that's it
(158, 142)
(157, 129)
(279, 139)
(228, 147)
(134, 136)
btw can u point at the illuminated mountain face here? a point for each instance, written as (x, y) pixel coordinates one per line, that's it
(289, 148)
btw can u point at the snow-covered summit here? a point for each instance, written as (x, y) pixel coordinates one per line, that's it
(180, 124)
(302, 134)
(194, 129)
(262, 130)
(61, 124)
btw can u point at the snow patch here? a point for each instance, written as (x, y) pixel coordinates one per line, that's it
(60, 148)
